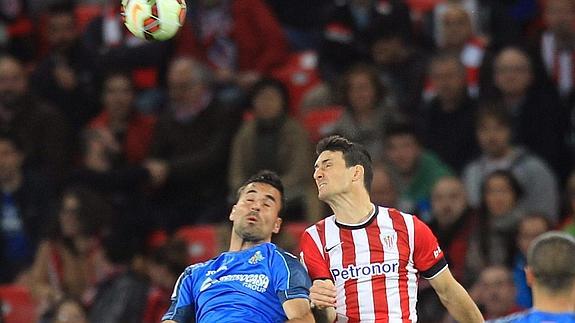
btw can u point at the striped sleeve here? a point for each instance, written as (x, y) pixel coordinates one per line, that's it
(182, 306)
(290, 277)
(427, 255)
(312, 255)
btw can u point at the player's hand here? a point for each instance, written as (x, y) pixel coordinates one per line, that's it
(322, 293)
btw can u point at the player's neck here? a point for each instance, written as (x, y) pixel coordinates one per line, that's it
(553, 302)
(351, 208)
(239, 244)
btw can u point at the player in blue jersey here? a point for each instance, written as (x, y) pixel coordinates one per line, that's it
(254, 281)
(550, 272)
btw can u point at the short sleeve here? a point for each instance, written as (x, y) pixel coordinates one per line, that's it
(290, 277)
(427, 256)
(182, 306)
(312, 257)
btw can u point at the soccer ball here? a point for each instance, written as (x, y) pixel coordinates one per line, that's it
(153, 19)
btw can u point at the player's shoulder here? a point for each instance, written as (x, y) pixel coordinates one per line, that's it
(198, 267)
(285, 254)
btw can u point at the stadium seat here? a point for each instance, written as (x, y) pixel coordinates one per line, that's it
(319, 122)
(294, 230)
(299, 75)
(17, 304)
(202, 241)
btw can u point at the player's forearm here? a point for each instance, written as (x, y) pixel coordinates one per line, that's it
(461, 306)
(307, 318)
(324, 315)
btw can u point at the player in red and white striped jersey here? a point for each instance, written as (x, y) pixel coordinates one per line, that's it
(365, 260)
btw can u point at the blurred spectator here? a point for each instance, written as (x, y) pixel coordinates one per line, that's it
(113, 149)
(282, 144)
(112, 47)
(569, 225)
(384, 188)
(529, 228)
(456, 226)
(44, 132)
(458, 39)
(448, 119)
(18, 30)
(240, 39)
(127, 131)
(368, 112)
(478, 12)
(538, 119)
(495, 292)
(348, 30)
(557, 44)
(121, 294)
(499, 214)
(25, 204)
(401, 68)
(417, 169)
(65, 263)
(190, 147)
(64, 78)
(301, 20)
(68, 310)
(493, 131)
(165, 265)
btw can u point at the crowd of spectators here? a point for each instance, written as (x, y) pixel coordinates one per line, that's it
(466, 107)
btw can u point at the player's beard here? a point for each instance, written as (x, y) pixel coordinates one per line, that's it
(249, 233)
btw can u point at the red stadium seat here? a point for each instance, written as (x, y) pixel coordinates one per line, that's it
(85, 13)
(202, 241)
(295, 230)
(318, 122)
(299, 75)
(17, 304)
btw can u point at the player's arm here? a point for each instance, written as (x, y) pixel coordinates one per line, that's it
(298, 311)
(292, 285)
(182, 308)
(455, 298)
(323, 296)
(322, 293)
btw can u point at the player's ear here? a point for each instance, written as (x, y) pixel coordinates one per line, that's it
(529, 276)
(232, 213)
(358, 173)
(277, 225)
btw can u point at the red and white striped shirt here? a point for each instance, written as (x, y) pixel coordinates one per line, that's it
(374, 265)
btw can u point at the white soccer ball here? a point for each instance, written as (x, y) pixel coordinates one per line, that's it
(154, 19)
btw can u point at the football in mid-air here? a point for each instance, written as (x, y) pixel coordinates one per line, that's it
(154, 19)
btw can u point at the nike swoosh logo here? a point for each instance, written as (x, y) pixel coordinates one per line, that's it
(327, 250)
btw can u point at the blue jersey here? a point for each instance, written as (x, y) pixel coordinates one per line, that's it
(242, 286)
(535, 316)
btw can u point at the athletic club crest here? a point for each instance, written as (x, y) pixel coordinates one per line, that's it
(388, 241)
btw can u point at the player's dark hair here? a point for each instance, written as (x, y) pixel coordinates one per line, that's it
(551, 258)
(267, 177)
(353, 154)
